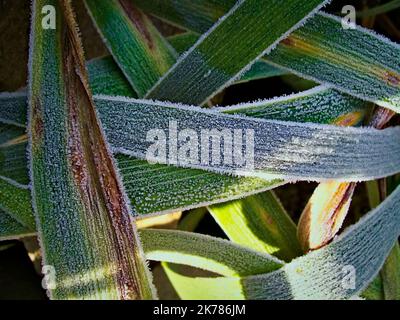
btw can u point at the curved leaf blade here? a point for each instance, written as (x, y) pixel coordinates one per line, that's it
(259, 222)
(172, 188)
(287, 150)
(205, 252)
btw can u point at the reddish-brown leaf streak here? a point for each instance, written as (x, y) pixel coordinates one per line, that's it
(93, 169)
(138, 19)
(37, 121)
(78, 163)
(288, 42)
(269, 219)
(392, 78)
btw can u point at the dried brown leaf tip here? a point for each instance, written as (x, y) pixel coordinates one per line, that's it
(392, 78)
(324, 214)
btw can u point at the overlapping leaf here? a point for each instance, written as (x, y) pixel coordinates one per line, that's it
(204, 70)
(173, 188)
(355, 61)
(259, 222)
(205, 252)
(322, 274)
(140, 51)
(11, 228)
(317, 275)
(259, 70)
(289, 150)
(82, 212)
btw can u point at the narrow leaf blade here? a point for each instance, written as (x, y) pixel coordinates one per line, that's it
(259, 222)
(205, 69)
(82, 212)
(140, 51)
(205, 252)
(162, 189)
(355, 61)
(282, 150)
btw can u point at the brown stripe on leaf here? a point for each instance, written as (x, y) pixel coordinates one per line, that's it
(289, 42)
(391, 78)
(138, 19)
(36, 120)
(90, 170)
(93, 169)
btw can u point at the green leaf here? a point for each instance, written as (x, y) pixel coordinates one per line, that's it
(391, 274)
(259, 222)
(205, 252)
(322, 274)
(140, 51)
(160, 189)
(106, 78)
(259, 70)
(11, 229)
(195, 15)
(374, 291)
(317, 105)
(374, 197)
(82, 212)
(172, 188)
(203, 287)
(13, 153)
(183, 41)
(379, 9)
(355, 61)
(192, 219)
(13, 108)
(217, 59)
(282, 150)
(15, 199)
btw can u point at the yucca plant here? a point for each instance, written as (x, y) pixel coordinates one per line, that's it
(99, 157)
